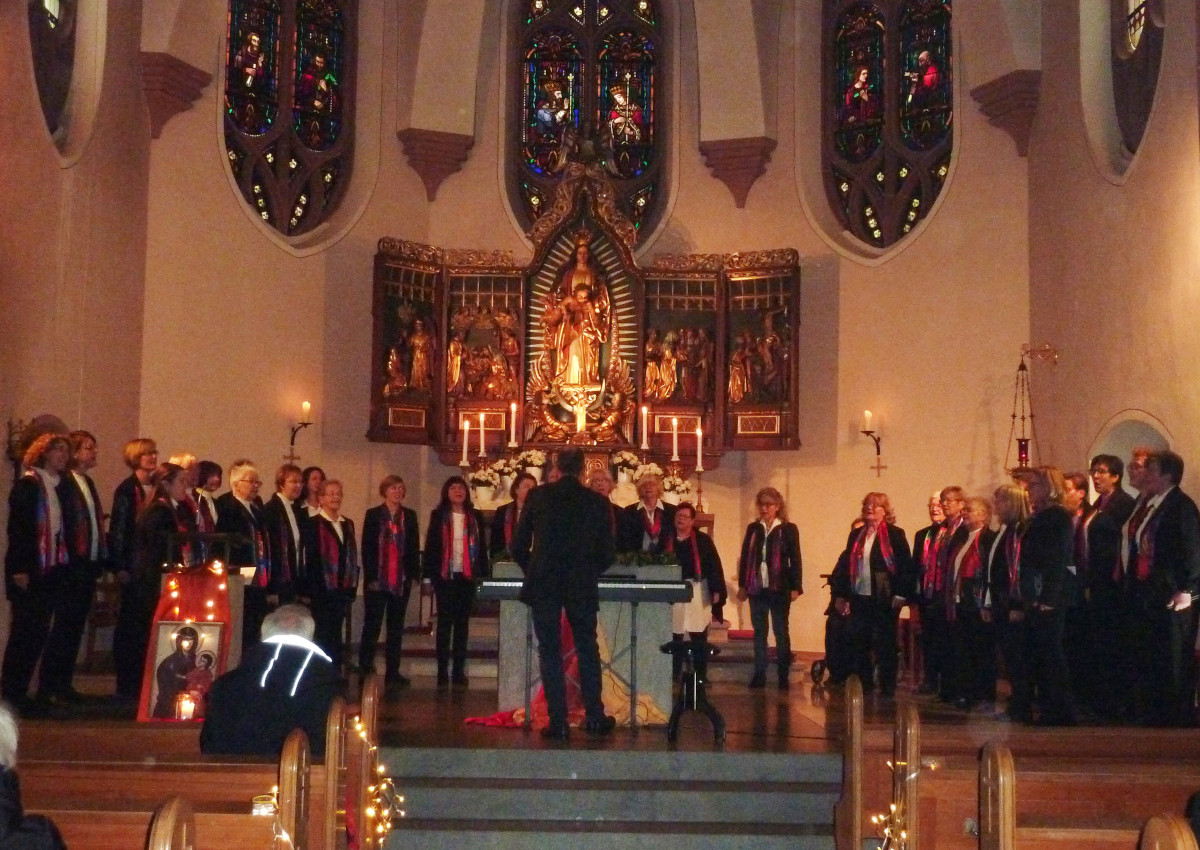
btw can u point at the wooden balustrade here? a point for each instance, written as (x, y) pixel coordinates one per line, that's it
(848, 814)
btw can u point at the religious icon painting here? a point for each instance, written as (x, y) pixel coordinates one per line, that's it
(186, 661)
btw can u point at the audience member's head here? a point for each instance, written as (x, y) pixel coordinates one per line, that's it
(8, 737)
(292, 619)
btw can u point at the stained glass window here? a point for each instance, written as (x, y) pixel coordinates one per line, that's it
(52, 38)
(290, 57)
(590, 88)
(888, 110)
(1137, 43)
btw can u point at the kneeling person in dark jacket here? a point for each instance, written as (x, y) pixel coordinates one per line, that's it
(285, 682)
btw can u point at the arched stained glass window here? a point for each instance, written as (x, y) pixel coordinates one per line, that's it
(290, 58)
(590, 78)
(888, 110)
(52, 37)
(1137, 43)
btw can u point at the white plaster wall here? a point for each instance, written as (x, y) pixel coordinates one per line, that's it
(1115, 267)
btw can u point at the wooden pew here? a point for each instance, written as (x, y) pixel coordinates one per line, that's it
(1168, 832)
(362, 765)
(848, 813)
(173, 826)
(117, 823)
(1005, 826)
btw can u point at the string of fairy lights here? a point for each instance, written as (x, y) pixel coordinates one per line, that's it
(384, 803)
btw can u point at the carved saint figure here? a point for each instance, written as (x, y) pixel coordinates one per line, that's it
(739, 369)
(774, 360)
(420, 350)
(653, 356)
(702, 364)
(454, 365)
(684, 350)
(510, 347)
(397, 378)
(668, 376)
(577, 325)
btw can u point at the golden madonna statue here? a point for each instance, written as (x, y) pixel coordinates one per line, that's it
(576, 322)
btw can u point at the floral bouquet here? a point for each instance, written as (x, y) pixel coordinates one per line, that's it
(483, 478)
(625, 460)
(505, 468)
(647, 469)
(531, 458)
(679, 486)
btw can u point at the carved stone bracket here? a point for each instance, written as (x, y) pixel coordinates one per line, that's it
(1010, 102)
(434, 155)
(738, 163)
(171, 86)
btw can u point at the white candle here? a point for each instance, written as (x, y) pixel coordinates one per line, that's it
(674, 438)
(187, 707)
(645, 428)
(512, 425)
(482, 437)
(866, 423)
(699, 449)
(466, 438)
(305, 408)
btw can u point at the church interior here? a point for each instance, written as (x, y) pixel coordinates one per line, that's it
(145, 295)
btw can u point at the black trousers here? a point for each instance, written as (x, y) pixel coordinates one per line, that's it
(254, 611)
(1107, 682)
(1048, 665)
(973, 643)
(32, 610)
(775, 605)
(71, 607)
(935, 645)
(330, 609)
(131, 636)
(1013, 641)
(547, 625)
(871, 628)
(380, 606)
(1162, 645)
(455, 600)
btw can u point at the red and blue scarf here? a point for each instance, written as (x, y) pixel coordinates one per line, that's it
(52, 548)
(470, 544)
(391, 576)
(338, 566)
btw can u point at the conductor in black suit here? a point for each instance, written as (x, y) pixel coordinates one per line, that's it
(563, 544)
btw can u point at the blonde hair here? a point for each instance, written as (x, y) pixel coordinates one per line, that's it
(1015, 497)
(134, 450)
(771, 496)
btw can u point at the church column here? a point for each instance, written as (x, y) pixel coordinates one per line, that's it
(442, 124)
(733, 134)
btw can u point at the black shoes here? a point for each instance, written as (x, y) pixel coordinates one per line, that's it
(600, 725)
(784, 682)
(459, 680)
(557, 732)
(443, 679)
(759, 680)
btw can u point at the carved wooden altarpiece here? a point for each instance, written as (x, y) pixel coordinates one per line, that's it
(579, 341)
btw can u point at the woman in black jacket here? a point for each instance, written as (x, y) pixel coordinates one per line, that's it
(871, 581)
(454, 560)
(391, 559)
(1047, 548)
(769, 575)
(700, 564)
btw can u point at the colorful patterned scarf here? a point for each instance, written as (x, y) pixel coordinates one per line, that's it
(338, 566)
(391, 554)
(758, 547)
(52, 548)
(470, 544)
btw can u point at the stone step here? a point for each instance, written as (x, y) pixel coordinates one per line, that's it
(602, 765)
(554, 835)
(635, 803)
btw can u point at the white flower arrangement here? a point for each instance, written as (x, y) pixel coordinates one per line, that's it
(678, 486)
(531, 457)
(647, 469)
(484, 478)
(504, 467)
(625, 460)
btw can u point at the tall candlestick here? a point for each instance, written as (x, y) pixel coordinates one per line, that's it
(482, 437)
(699, 449)
(466, 439)
(645, 428)
(512, 425)
(674, 438)
(305, 409)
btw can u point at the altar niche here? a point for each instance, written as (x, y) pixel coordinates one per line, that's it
(479, 357)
